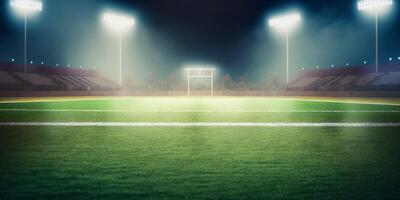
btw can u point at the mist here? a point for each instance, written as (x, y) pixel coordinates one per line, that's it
(72, 33)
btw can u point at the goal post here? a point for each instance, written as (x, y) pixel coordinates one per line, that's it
(207, 72)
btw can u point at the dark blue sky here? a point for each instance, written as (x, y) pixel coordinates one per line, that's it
(170, 33)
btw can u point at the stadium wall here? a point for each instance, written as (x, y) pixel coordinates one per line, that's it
(388, 94)
(43, 69)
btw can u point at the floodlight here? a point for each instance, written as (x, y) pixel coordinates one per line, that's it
(398, 58)
(27, 5)
(374, 5)
(285, 22)
(390, 59)
(12, 60)
(118, 21)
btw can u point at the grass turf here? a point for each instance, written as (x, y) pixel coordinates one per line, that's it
(199, 163)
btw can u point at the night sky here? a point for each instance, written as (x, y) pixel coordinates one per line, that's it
(231, 34)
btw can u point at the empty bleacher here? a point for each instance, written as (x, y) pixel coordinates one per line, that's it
(303, 83)
(347, 79)
(37, 81)
(102, 83)
(7, 81)
(365, 80)
(344, 82)
(51, 79)
(387, 81)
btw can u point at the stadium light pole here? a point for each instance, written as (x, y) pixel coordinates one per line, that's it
(26, 7)
(285, 23)
(375, 7)
(120, 23)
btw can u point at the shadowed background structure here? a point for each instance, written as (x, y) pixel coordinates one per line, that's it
(169, 33)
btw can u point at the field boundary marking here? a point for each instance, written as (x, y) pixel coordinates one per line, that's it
(344, 101)
(339, 101)
(199, 111)
(196, 124)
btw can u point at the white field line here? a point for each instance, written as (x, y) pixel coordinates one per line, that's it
(344, 101)
(193, 124)
(361, 102)
(199, 111)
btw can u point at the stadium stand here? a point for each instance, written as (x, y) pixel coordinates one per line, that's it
(349, 79)
(7, 81)
(45, 78)
(37, 81)
(346, 81)
(388, 81)
(102, 83)
(365, 80)
(303, 84)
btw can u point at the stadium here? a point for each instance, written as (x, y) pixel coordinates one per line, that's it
(141, 99)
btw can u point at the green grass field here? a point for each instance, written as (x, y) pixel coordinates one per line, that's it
(104, 160)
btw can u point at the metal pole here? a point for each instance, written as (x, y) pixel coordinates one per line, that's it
(120, 59)
(212, 83)
(188, 83)
(287, 57)
(376, 43)
(25, 43)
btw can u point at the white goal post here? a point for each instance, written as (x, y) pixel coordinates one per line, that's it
(200, 72)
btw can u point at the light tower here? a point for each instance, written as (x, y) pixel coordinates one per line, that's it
(285, 24)
(375, 7)
(26, 7)
(121, 24)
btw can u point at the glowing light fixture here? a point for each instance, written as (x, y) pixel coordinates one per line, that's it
(119, 23)
(375, 7)
(26, 7)
(285, 23)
